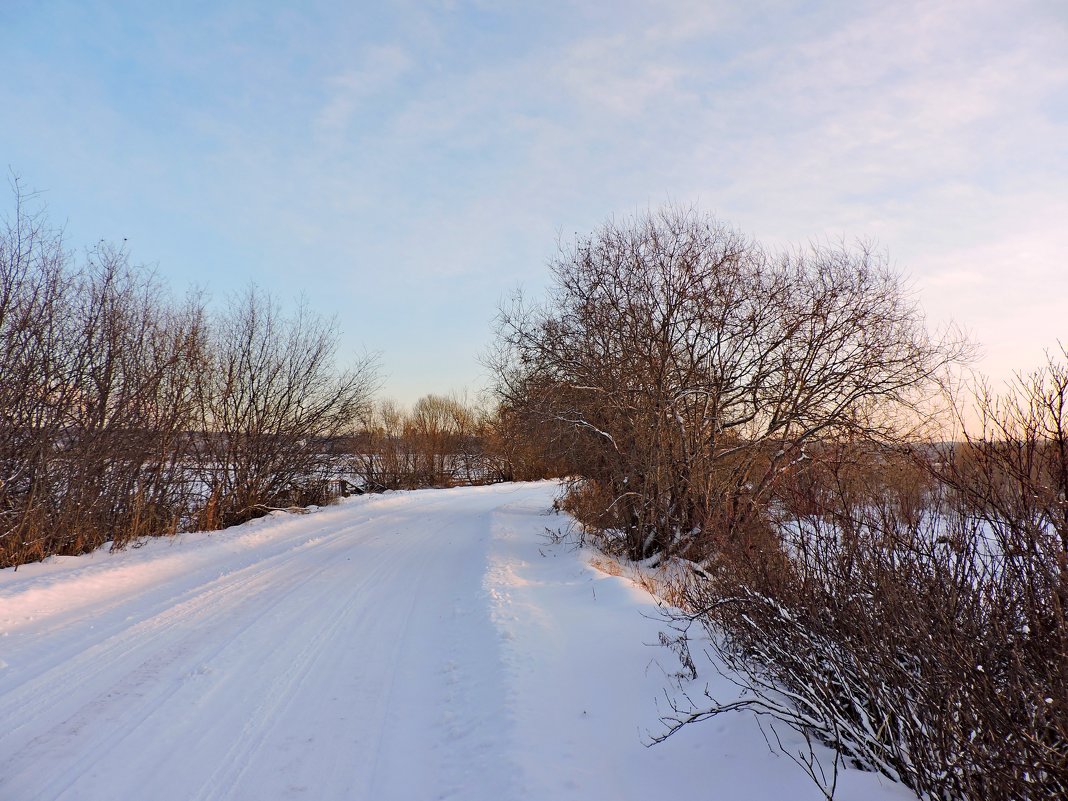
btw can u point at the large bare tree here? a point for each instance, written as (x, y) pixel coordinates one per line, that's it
(683, 368)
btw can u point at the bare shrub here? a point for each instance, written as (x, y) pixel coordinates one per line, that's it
(591, 503)
(1013, 470)
(515, 448)
(921, 639)
(125, 414)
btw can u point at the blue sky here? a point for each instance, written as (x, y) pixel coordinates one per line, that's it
(407, 165)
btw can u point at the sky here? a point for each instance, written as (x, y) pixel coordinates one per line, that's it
(406, 166)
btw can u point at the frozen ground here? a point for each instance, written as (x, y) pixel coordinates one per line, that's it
(408, 646)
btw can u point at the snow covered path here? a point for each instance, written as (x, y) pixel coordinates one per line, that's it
(414, 646)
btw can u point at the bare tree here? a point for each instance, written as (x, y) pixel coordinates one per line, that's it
(95, 379)
(683, 369)
(383, 458)
(271, 398)
(35, 281)
(439, 442)
(132, 355)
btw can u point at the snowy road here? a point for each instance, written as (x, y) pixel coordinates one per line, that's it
(407, 646)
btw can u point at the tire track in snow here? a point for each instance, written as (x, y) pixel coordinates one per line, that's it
(129, 689)
(399, 644)
(186, 607)
(135, 659)
(238, 659)
(47, 687)
(264, 718)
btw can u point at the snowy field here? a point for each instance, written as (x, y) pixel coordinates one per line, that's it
(422, 645)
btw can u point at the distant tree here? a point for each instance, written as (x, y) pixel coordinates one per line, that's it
(383, 459)
(439, 442)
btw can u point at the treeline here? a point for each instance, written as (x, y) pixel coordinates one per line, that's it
(441, 441)
(778, 421)
(127, 413)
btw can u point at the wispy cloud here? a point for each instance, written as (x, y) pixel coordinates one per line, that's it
(380, 69)
(419, 149)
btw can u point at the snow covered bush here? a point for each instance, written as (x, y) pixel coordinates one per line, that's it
(926, 641)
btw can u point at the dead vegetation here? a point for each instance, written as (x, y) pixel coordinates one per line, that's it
(442, 441)
(684, 369)
(125, 413)
(760, 416)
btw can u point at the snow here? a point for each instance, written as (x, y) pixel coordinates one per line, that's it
(422, 645)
